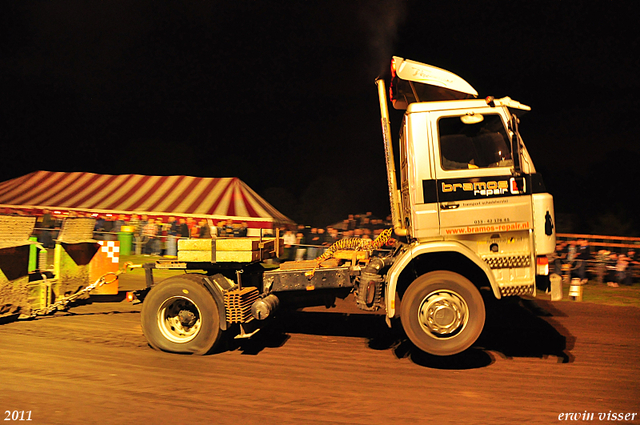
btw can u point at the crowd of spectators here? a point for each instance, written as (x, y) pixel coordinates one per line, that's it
(576, 259)
(159, 236)
(155, 236)
(307, 243)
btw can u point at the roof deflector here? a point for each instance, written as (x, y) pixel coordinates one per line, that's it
(418, 82)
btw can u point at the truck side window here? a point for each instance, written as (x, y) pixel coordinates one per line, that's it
(480, 145)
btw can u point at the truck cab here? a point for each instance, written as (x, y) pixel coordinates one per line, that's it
(470, 201)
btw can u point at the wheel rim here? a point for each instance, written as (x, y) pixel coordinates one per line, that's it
(179, 319)
(443, 314)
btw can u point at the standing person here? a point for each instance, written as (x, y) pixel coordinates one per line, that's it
(300, 251)
(229, 228)
(572, 253)
(322, 242)
(244, 228)
(212, 228)
(332, 236)
(612, 270)
(558, 258)
(173, 226)
(48, 223)
(194, 230)
(205, 231)
(117, 225)
(633, 266)
(289, 240)
(303, 229)
(172, 237)
(134, 222)
(621, 269)
(148, 237)
(601, 265)
(144, 219)
(108, 228)
(98, 229)
(184, 229)
(161, 237)
(561, 260)
(583, 256)
(314, 241)
(222, 228)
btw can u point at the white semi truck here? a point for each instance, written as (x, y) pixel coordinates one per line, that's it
(471, 215)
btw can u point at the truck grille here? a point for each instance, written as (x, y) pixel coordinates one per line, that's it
(508, 262)
(516, 290)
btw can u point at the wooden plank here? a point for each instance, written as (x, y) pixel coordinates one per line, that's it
(236, 256)
(237, 244)
(195, 256)
(227, 249)
(195, 244)
(246, 244)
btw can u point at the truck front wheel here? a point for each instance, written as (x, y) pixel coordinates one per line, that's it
(442, 313)
(179, 315)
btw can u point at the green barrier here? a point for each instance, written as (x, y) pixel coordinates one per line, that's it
(33, 255)
(126, 241)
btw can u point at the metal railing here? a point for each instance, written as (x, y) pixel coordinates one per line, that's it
(602, 241)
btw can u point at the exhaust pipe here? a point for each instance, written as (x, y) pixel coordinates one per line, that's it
(394, 199)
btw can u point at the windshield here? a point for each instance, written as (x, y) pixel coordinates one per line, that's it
(483, 144)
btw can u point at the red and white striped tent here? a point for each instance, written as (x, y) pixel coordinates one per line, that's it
(178, 196)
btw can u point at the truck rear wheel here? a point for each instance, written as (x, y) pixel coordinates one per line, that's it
(442, 313)
(179, 315)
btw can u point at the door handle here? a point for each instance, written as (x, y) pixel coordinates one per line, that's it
(449, 206)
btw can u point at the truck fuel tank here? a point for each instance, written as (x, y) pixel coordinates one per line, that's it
(263, 307)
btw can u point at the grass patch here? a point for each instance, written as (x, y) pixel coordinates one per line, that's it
(594, 292)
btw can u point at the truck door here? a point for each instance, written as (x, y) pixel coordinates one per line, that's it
(476, 189)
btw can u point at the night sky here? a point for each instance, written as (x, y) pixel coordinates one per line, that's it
(281, 93)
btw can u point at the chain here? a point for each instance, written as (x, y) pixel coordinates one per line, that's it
(62, 303)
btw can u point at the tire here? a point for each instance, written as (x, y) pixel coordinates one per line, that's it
(442, 313)
(179, 315)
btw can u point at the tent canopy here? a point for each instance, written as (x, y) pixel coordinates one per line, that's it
(180, 196)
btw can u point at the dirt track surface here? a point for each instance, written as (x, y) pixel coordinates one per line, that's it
(324, 366)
